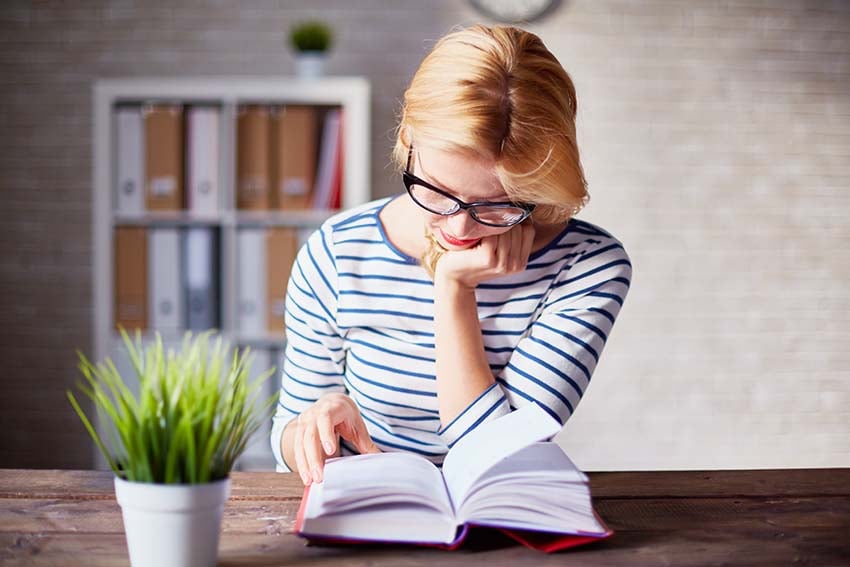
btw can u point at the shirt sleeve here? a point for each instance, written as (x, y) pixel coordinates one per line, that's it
(553, 363)
(492, 403)
(314, 361)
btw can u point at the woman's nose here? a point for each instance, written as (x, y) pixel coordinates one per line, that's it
(461, 225)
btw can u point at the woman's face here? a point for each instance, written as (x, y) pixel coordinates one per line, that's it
(470, 180)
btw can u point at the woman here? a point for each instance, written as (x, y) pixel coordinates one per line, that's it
(412, 320)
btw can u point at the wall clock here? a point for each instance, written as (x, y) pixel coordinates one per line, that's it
(514, 11)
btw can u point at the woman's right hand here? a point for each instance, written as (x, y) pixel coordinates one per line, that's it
(316, 433)
(494, 257)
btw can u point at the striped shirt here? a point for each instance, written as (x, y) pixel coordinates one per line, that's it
(360, 320)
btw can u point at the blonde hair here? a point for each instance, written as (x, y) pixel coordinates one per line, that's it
(432, 254)
(497, 93)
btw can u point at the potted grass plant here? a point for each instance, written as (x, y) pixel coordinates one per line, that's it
(172, 446)
(311, 40)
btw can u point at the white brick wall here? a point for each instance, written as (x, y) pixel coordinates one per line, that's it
(715, 135)
(716, 143)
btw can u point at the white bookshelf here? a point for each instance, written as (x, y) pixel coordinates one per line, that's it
(352, 94)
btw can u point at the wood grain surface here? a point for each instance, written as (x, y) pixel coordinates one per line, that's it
(747, 518)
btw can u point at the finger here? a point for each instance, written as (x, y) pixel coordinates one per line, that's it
(361, 438)
(298, 451)
(528, 233)
(313, 451)
(326, 434)
(503, 256)
(517, 261)
(488, 250)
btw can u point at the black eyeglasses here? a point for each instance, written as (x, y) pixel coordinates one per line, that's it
(437, 201)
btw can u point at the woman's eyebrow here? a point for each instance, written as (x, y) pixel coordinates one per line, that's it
(440, 185)
(434, 181)
(430, 178)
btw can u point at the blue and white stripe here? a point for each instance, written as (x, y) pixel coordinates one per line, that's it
(360, 320)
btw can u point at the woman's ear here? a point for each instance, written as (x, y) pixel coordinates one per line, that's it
(404, 133)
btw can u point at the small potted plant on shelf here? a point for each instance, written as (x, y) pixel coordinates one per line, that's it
(311, 41)
(173, 446)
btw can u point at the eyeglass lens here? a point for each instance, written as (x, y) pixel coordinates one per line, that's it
(487, 214)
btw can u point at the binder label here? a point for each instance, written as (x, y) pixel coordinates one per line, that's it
(294, 186)
(163, 186)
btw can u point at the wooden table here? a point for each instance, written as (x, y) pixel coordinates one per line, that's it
(776, 518)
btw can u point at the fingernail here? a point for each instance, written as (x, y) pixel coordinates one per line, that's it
(329, 449)
(317, 474)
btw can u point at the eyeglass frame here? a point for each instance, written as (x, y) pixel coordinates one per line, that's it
(409, 179)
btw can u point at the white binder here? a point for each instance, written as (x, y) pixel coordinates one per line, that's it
(201, 279)
(258, 454)
(203, 160)
(251, 284)
(129, 181)
(166, 305)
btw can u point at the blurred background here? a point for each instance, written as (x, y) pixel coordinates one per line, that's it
(716, 141)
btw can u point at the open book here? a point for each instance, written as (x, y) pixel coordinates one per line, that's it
(501, 475)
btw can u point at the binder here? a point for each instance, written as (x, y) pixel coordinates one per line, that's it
(326, 174)
(200, 253)
(163, 157)
(281, 248)
(129, 184)
(251, 282)
(257, 455)
(131, 267)
(166, 305)
(202, 125)
(293, 157)
(252, 158)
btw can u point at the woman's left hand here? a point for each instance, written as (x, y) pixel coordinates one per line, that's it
(493, 257)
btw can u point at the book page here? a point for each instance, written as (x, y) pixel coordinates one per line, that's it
(545, 460)
(549, 507)
(491, 442)
(537, 488)
(402, 523)
(374, 479)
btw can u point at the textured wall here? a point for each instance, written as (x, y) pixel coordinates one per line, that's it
(715, 139)
(716, 136)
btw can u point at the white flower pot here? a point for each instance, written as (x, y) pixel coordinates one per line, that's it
(310, 64)
(172, 525)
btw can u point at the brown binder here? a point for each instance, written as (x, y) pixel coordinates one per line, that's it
(163, 157)
(131, 278)
(252, 157)
(281, 248)
(293, 157)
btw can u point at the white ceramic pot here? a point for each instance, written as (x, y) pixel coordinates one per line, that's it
(172, 525)
(310, 64)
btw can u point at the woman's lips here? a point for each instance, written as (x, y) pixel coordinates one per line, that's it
(457, 241)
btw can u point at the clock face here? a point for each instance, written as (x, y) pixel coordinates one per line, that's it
(513, 11)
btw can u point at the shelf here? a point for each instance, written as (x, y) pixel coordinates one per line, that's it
(165, 219)
(298, 219)
(232, 227)
(257, 342)
(310, 218)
